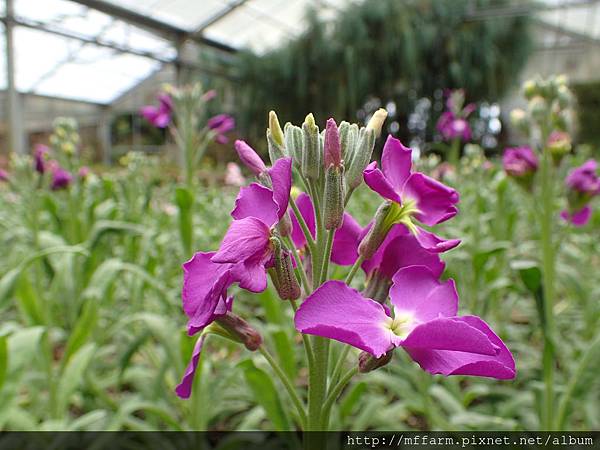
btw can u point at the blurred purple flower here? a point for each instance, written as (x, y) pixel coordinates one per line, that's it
(233, 175)
(159, 116)
(221, 124)
(583, 184)
(61, 178)
(83, 172)
(3, 175)
(250, 158)
(39, 157)
(519, 162)
(452, 127)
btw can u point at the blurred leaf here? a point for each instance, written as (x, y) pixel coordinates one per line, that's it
(265, 394)
(184, 199)
(112, 226)
(3, 359)
(83, 329)
(72, 376)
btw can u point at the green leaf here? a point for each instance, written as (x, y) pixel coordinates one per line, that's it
(83, 329)
(3, 360)
(103, 227)
(72, 376)
(351, 399)
(22, 344)
(530, 274)
(285, 352)
(265, 394)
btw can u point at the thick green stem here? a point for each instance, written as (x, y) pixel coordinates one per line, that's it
(548, 270)
(289, 386)
(454, 153)
(334, 394)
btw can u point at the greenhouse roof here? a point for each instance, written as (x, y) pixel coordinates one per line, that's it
(96, 50)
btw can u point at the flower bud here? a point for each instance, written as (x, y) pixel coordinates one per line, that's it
(332, 148)
(276, 151)
(378, 287)
(518, 118)
(564, 96)
(538, 108)
(376, 122)
(334, 197)
(348, 135)
(530, 89)
(293, 142)
(311, 154)
(376, 235)
(362, 157)
(368, 363)
(559, 144)
(241, 330)
(250, 158)
(284, 226)
(284, 280)
(275, 129)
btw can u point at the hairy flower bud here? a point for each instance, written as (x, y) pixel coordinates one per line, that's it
(332, 148)
(284, 280)
(241, 330)
(250, 158)
(362, 157)
(378, 287)
(334, 197)
(376, 235)
(293, 142)
(275, 129)
(311, 154)
(284, 226)
(276, 151)
(368, 363)
(376, 122)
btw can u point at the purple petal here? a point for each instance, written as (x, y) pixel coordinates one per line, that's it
(500, 366)
(579, 218)
(435, 200)
(204, 286)
(245, 239)
(250, 158)
(450, 333)
(396, 162)
(184, 389)
(307, 211)
(251, 274)
(281, 178)
(339, 312)
(256, 201)
(345, 242)
(377, 181)
(416, 290)
(434, 243)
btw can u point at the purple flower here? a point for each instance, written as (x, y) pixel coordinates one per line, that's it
(344, 251)
(4, 175)
(61, 178)
(424, 323)
(519, 162)
(332, 149)
(257, 210)
(159, 116)
(452, 127)
(39, 157)
(83, 172)
(577, 218)
(221, 124)
(250, 158)
(584, 179)
(432, 201)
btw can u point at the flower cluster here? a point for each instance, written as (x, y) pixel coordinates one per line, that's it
(453, 123)
(293, 238)
(582, 184)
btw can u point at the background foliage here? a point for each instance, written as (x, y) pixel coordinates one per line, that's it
(388, 49)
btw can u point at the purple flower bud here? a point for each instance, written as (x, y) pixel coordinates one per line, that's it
(250, 158)
(39, 157)
(584, 179)
(61, 178)
(332, 148)
(283, 275)
(241, 330)
(3, 175)
(368, 363)
(159, 116)
(519, 162)
(221, 124)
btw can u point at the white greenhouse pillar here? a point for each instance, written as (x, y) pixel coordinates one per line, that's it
(103, 133)
(14, 112)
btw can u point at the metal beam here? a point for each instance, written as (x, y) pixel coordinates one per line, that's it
(217, 17)
(13, 110)
(525, 9)
(168, 31)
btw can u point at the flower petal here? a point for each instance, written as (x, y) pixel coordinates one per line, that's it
(204, 285)
(256, 201)
(345, 242)
(245, 238)
(579, 218)
(435, 200)
(251, 275)
(377, 181)
(339, 312)
(416, 290)
(184, 389)
(445, 362)
(396, 162)
(307, 211)
(434, 243)
(450, 333)
(281, 177)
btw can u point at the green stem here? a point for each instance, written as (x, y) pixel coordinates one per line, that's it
(454, 153)
(339, 365)
(303, 279)
(334, 394)
(326, 257)
(548, 271)
(353, 270)
(287, 384)
(309, 239)
(305, 339)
